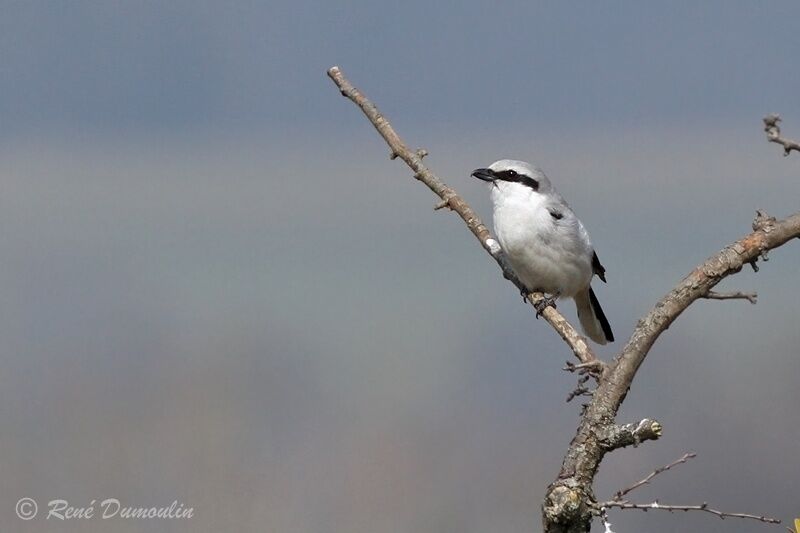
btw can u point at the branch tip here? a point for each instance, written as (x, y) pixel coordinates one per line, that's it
(751, 297)
(613, 436)
(773, 131)
(442, 205)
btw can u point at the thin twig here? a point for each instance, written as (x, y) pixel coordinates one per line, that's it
(584, 368)
(703, 507)
(751, 297)
(646, 481)
(580, 389)
(452, 200)
(774, 134)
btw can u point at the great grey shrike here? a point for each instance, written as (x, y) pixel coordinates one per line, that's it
(547, 246)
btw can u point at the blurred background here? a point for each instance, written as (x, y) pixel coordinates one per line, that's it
(217, 289)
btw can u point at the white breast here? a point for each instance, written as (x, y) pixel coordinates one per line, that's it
(545, 253)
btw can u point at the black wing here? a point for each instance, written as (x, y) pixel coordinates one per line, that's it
(598, 268)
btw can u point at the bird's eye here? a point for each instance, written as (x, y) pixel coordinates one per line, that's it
(511, 173)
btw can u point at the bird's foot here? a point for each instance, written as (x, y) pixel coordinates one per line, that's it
(524, 293)
(544, 303)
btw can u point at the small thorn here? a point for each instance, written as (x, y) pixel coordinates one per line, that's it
(393, 155)
(442, 205)
(421, 153)
(754, 265)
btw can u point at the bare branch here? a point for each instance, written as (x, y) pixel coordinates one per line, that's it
(592, 367)
(451, 199)
(568, 333)
(689, 455)
(570, 504)
(612, 437)
(773, 132)
(751, 297)
(570, 497)
(703, 507)
(696, 284)
(581, 389)
(441, 205)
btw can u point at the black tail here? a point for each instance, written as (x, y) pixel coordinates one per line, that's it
(598, 312)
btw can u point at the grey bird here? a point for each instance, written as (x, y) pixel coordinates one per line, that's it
(547, 246)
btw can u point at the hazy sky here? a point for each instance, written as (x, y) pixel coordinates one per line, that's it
(188, 66)
(217, 289)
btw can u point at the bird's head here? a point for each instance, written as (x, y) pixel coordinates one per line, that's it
(511, 177)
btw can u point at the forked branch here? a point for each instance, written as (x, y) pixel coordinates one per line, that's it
(621, 503)
(570, 505)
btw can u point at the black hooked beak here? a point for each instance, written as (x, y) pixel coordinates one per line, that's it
(485, 174)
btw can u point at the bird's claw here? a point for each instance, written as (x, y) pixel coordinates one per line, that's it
(544, 303)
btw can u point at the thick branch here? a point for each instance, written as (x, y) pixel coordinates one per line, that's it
(774, 134)
(413, 158)
(697, 284)
(568, 506)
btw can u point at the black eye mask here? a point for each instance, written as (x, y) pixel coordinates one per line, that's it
(516, 177)
(487, 174)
